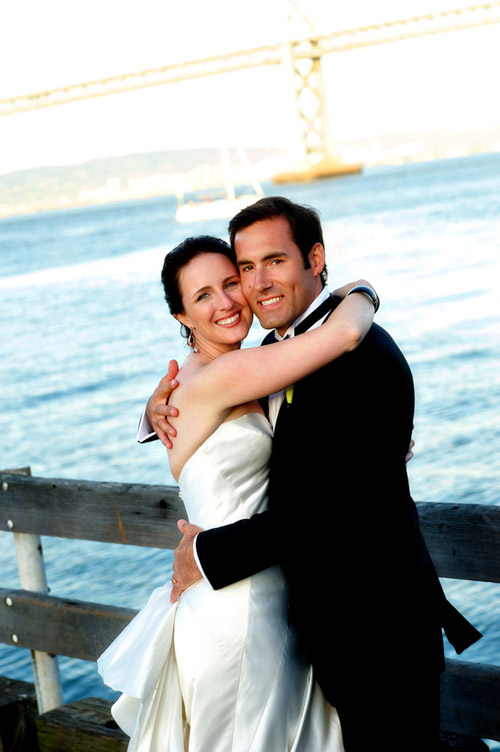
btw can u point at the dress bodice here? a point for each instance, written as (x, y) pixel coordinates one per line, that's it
(226, 478)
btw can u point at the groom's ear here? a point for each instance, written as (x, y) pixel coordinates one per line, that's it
(317, 259)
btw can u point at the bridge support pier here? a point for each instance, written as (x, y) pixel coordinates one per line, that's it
(316, 155)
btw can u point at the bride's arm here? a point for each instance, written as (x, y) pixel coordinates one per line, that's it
(243, 375)
(341, 292)
(359, 286)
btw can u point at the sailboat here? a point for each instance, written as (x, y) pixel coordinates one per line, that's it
(222, 208)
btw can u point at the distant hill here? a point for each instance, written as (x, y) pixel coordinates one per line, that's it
(119, 178)
(163, 173)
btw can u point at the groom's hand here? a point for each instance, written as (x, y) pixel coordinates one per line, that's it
(186, 571)
(157, 410)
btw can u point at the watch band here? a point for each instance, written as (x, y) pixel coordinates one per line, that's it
(364, 290)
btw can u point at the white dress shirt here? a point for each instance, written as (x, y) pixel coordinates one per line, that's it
(145, 431)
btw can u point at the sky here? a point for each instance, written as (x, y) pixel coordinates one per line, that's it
(441, 81)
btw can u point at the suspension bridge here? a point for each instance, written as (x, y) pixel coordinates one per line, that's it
(317, 154)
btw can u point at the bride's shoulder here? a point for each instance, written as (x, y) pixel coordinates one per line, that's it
(195, 385)
(192, 370)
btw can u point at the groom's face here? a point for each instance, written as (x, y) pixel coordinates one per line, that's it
(274, 279)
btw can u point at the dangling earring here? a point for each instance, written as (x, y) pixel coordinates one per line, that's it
(191, 341)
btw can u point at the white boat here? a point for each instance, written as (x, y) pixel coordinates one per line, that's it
(221, 208)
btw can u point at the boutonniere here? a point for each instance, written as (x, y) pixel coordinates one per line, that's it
(289, 395)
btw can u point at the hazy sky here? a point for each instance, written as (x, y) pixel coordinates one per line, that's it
(441, 81)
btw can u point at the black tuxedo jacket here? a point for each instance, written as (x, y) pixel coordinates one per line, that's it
(342, 524)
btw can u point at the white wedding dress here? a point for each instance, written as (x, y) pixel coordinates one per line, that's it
(218, 671)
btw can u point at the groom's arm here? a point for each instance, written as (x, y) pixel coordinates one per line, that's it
(224, 555)
(154, 424)
(233, 552)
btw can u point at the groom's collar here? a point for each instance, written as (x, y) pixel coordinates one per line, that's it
(320, 307)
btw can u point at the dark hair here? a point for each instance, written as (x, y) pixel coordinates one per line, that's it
(178, 258)
(303, 221)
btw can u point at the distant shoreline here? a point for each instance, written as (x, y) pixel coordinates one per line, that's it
(173, 173)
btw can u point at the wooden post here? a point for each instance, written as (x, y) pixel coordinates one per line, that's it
(32, 577)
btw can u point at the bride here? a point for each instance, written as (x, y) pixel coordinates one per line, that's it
(220, 671)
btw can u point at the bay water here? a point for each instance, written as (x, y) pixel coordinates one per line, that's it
(86, 335)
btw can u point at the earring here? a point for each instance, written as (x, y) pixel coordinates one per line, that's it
(191, 341)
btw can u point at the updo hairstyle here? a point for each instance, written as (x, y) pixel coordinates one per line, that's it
(178, 258)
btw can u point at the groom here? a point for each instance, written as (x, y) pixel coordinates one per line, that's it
(363, 593)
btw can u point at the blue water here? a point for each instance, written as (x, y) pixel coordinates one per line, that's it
(86, 336)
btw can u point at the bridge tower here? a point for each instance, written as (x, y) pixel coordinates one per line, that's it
(315, 154)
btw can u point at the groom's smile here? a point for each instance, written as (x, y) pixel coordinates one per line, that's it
(271, 301)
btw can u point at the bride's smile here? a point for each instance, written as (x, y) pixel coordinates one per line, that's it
(215, 309)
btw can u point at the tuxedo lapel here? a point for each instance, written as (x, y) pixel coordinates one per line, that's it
(268, 340)
(323, 309)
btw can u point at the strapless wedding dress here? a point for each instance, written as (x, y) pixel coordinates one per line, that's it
(218, 671)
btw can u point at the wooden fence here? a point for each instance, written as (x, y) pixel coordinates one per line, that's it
(464, 541)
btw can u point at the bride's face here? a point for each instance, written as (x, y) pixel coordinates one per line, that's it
(214, 305)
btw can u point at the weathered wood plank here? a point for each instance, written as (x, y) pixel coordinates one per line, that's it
(82, 726)
(140, 515)
(17, 716)
(470, 691)
(470, 699)
(59, 626)
(463, 539)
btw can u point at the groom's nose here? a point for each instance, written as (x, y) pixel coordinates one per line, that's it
(262, 279)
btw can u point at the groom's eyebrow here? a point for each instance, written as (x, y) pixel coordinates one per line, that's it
(267, 257)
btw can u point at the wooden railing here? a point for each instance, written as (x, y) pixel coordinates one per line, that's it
(464, 541)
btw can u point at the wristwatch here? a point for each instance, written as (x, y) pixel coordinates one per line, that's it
(364, 290)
